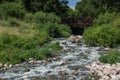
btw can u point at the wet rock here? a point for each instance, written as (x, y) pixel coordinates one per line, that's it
(1, 79)
(107, 49)
(100, 73)
(48, 71)
(61, 63)
(10, 66)
(64, 42)
(113, 72)
(17, 65)
(25, 78)
(114, 77)
(30, 59)
(106, 77)
(5, 65)
(75, 72)
(62, 73)
(71, 78)
(26, 69)
(74, 39)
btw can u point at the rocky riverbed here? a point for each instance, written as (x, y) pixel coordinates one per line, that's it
(105, 71)
(67, 64)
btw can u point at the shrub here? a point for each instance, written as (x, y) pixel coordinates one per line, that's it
(106, 18)
(110, 57)
(105, 31)
(29, 17)
(64, 30)
(101, 36)
(43, 18)
(7, 40)
(13, 22)
(11, 55)
(53, 46)
(11, 9)
(55, 30)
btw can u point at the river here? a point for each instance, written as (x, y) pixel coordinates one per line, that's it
(67, 65)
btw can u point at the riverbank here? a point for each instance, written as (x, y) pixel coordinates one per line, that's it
(68, 64)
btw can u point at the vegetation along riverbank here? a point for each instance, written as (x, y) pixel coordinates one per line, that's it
(28, 27)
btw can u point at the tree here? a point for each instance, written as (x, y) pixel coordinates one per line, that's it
(58, 7)
(95, 7)
(85, 8)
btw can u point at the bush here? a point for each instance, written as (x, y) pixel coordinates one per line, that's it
(101, 36)
(105, 31)
(110, 57)
(11, 55)
(11, 9)
(29, 17)
(55, 30)
(43, 18)
(13, 22)
(106, 18)
(53, 46)
(14, 49)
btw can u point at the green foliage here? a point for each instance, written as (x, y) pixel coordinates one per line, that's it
(96, 7)
(29, 17)
(106, 18)
(11, 9)
(43, 18)
(59, 7)
(14, 49)
(105, 31)
(86, 8)
(110, 57)
(55, 30)
(101, 36)
(53, 46)
(13, 22)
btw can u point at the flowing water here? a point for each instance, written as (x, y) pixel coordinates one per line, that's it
(69, 63)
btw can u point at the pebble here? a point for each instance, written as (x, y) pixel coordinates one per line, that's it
(75, 72)
(71, 78)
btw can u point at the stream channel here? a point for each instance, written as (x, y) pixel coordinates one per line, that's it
(68, 65)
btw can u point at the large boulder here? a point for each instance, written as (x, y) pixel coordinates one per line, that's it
(75, 39)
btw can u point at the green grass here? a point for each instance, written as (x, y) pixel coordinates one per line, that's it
(14, 55)
(110, 57)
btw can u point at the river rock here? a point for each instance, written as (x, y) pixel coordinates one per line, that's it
(1, 79)
(114, 77)
(25, 78)
(106, 77)
(5, 65)
(106, 71)
(107, 49)
(61, 63)
(71, 78)
(113, 72)
(62, 73)
(30, 59)
(100, 73)
(17, 65)
(75, 72)
(74, 39)
(10, 66)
